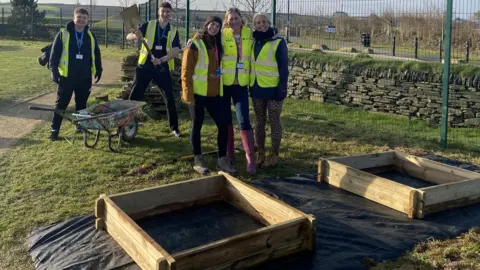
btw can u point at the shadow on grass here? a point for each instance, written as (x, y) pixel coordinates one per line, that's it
(8, 142)
(10, 48)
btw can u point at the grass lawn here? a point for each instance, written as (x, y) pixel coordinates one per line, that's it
(48, 182)
(22, 77)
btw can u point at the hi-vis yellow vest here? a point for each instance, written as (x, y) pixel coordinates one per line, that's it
(150, 38)
(63, 66)
(200, 74)
(230, 58)
(265, 67)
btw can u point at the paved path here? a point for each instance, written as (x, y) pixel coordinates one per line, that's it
(18, 121)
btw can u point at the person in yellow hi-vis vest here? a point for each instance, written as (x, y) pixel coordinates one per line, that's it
(74, 59)
(202, 90)
(163, 39)
(268, 86)
(237, 43)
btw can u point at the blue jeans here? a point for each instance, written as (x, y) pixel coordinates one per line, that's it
(239, 95)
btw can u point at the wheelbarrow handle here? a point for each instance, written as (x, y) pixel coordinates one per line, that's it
(35, 108)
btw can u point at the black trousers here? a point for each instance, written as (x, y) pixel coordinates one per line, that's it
(216, 109)
(163, 80)
(65, 90)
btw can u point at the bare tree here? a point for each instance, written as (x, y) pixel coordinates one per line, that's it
(126, 3)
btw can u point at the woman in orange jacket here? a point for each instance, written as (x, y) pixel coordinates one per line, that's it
(202, 89)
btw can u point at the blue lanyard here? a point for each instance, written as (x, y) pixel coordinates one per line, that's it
(79, 42)
(163, 32)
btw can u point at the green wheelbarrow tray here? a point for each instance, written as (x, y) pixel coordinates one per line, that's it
(117, 118)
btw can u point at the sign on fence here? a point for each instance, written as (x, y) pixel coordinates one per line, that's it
(330, 29)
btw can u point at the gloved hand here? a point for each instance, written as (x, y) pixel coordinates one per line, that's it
(98, 76)
(55, 76)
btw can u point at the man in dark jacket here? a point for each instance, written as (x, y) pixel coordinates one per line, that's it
(163, 40)
(74, 59)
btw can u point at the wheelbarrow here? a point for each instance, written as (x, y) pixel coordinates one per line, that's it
(116, 118)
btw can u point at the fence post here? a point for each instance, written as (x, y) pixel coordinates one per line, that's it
(274, 13)
(416, 48)
(106, 27)
(440, 45)
(288, 21)
(467, 53)
(394, 45)
(61, 19)
(31, 19)
(446, 74)
(146, 12)
(3, 15)
(123, 32)
(187, 21)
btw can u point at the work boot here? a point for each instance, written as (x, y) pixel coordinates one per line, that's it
(199, 165)
(230, 145)
(271, 161)
(249, 145)
(260, 157)
(53, 136)
(223, 164)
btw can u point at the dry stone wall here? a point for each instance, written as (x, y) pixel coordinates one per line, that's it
(417, 95)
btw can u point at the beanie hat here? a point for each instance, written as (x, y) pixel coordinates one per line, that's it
(212, 19)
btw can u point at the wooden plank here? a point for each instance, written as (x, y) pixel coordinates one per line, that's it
(258, 204)
(432, 171)
(133, 231)
(145, 200)
(451, 192)
(262, 257)
(425, 173)
(366, 161)
(370, 178)
(174, 207)
(377, 189)
(231, 249)
(136, 251)
(452, 204)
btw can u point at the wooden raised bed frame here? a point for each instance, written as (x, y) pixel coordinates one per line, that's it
(286, 230)
(454, 187)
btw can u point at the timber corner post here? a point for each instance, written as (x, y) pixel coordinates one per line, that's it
(100, 212)
(321, 170)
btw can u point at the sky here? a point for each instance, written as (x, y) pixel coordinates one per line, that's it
(462, 8)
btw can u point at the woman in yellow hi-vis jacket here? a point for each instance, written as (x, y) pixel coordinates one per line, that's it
(237, 44)
(202, 89)
(268, 86)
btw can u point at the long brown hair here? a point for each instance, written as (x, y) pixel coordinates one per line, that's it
(230, 11)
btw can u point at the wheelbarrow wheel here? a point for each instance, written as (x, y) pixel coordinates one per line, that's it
(87, 134)
(129, 132)
(117, 134)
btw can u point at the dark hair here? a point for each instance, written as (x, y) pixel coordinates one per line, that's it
(81, 11)
(165, 5)
(215, 40)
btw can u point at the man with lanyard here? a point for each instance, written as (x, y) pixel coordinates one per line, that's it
(74, 58)
(164, 42)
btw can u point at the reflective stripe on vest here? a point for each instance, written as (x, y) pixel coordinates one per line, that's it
(230, 58)
(200, 74)
(64, 58)
(265, 67)
(150, 38)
